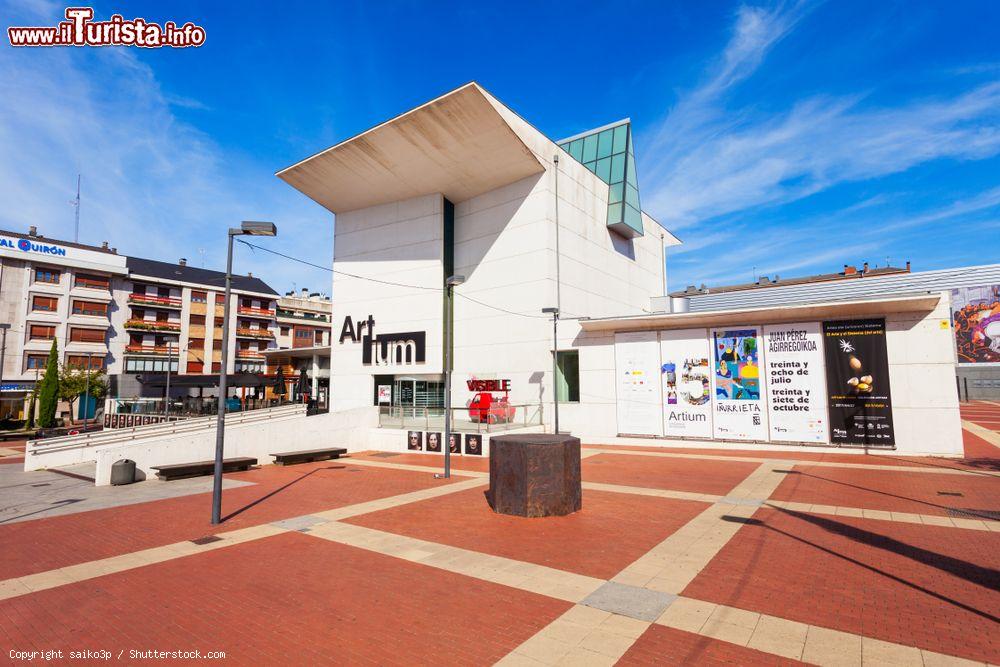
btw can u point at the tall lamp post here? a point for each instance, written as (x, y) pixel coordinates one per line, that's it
(450, 284)
(86, 393)
(246, 228)
(3, 352)
(555, 362)
(166, 399)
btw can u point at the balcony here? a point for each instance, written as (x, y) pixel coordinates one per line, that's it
(255, 312)
(249, 354)
(155, 301)
(259, 334)
(152, 325)
(154, 350)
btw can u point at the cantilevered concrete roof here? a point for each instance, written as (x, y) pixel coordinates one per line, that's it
(457, 144)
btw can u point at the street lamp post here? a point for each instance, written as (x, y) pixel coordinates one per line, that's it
(86, 394)
(246, 228)
(166, 399)
(3, 352)
(555, 362)
(450, 284)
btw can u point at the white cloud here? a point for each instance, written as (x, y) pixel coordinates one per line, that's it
(706, 160)
(153, 185)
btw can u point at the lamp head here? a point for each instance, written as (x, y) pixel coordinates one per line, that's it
(550, 311)
(454, 281)
(253, 228)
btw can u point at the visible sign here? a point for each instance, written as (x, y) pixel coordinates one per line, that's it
(687, 392)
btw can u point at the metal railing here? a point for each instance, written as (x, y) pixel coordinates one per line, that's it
(424, 419)
(112, 436)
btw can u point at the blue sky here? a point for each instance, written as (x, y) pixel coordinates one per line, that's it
(786, 138)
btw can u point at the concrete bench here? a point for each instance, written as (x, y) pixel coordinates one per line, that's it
(181, 470)
(307, 455)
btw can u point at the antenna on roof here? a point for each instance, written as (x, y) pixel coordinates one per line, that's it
(76, 204)
(201, 251)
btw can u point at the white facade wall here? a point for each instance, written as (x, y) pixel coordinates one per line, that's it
(403, 243)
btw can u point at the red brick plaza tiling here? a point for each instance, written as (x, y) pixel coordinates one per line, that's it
(677, 474)
(889, 490)
(667, 646)
(278, 493)
(287, 599)
(611, 531)
(918, 585)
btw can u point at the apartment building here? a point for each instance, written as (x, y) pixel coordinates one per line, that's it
(303, 342)
(137, 318)
(53, 290)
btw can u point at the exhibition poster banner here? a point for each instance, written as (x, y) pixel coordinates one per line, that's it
(796, 382)
(738, 407)
(857, 382)
(976, 320)
(685, 372)
(637, 365)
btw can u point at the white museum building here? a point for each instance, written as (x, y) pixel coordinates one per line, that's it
(462, 187)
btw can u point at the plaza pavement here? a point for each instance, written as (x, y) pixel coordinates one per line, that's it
(678, 557)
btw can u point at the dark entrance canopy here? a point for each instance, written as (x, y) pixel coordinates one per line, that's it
(233, 380)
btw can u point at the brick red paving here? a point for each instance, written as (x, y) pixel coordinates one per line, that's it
(477, 463)
(931, 587)
(801, 454)
(668, 646)
(654, 472)
(288, 599)
(889, 490)
(610, 532)
(279, 493)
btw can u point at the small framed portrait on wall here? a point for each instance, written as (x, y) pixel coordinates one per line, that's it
(474, 444)
(415, 440)
(433, 442)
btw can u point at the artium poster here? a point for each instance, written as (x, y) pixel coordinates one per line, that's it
(796, 382)
(857, 382)
(686, 373)
(737, 405)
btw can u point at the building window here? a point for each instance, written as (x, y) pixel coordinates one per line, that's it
(91, 281)
(216, 366)
(41, 332)
(198, 320)
(43, 275)
(37, 361)
(568, 378)
(220, 298)
(218, 322)
(303, 333)
(81, 361)
(78, 335)
(284, 331)
(196, 343)
(195, 367)
(47, 304)
(90, 308)
(199, 297)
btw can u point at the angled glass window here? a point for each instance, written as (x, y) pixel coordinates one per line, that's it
(590, 148)
(608, 153)
(617, 168)
(604, 144)
(603, 170)
(621, 134)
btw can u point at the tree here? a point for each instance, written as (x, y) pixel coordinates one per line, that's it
(48, 393)
(29, 423)
(74, 382)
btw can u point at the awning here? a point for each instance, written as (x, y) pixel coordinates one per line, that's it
(919, 303)
(233, 380)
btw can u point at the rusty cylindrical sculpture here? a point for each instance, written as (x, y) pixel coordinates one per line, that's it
(535, 474)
